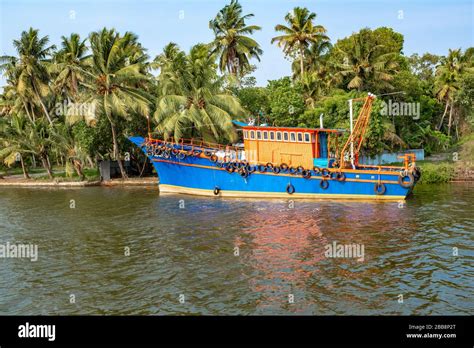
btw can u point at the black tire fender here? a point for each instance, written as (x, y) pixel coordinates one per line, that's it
(405, 184)
(261, 168)
(243, 172)
(324, 184)
(340, 176)
(380, 188)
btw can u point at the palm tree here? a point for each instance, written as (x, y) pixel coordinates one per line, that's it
(447, 79)
(363, 63)
(195, 102)
(299, 34)
(23, 137)
(316, 78)
(315, 59)
(172, 64)
(30, 71)
(115, 77)
(390, 136)
(12, 137)
(313, 86)
(68, 147)
(232, 43)
(12, 103)
(69, 65)
(39, 142)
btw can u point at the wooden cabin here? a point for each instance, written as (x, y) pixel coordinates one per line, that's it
(305, 147)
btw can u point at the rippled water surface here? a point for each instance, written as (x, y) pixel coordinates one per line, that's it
(187, 245)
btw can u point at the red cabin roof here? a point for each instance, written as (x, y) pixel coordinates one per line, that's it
(287, 129)
(293, 129)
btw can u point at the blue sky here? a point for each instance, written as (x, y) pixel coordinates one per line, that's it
(428, 26)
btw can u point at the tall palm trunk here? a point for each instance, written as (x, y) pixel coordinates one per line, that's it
(42, 105)
(27, 112)
(23, 168)
(302, 61)
(33, 116)
(444, 114)
(74, 85)
(91, 163)
(46, 165)
(234, 66)
(450, 121)
(78, 168)
(116, 154)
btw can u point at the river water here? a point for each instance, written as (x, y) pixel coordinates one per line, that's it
(133, 251)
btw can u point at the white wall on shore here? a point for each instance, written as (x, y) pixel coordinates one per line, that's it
(391, 157)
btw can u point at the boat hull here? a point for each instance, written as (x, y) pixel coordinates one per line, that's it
(200, 176)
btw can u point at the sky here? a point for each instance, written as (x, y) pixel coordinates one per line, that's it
(428, 25)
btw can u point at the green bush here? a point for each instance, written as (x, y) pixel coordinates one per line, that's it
(436, 172)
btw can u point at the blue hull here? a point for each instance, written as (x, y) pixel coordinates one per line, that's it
(200, 176)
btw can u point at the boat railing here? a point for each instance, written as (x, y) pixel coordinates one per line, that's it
(223, 152)
(234, 153)
(195, 143)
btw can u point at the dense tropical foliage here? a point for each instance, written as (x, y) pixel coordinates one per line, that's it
(75, 104)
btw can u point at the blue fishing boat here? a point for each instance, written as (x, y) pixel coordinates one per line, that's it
(281, 162)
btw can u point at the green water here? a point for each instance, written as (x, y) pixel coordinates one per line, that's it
(184, 245)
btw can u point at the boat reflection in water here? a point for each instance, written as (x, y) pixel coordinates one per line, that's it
(288, 250)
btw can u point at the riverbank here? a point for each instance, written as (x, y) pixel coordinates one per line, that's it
(17, 182)
(445, 171)
(454, 166)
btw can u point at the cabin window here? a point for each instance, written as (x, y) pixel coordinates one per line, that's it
(292, 137)
(259, 135)
(306, 138)
(265, 135)
(252, 134)
(272, 135)
(246, 134)
(300, 137)
(278, 136)
(285, 136)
